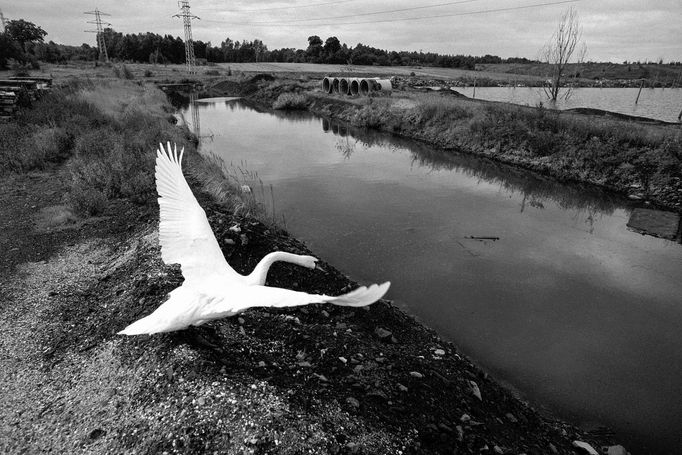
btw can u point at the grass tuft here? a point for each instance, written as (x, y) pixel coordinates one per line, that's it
(291, 101)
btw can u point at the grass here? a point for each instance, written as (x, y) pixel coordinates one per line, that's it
(291, 101)
(104, 133)
(615, 153)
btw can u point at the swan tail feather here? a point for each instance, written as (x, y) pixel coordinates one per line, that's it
(361, 296)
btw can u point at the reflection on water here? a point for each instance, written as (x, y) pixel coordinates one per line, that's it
(568, 305)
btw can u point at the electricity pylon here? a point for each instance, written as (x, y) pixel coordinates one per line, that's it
(2, 17)
(189, 43)
(101, 45)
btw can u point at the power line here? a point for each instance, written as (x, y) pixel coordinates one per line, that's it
(274, 8)
(101, 45)
(436, 16)
(412, 8)
(189, 42)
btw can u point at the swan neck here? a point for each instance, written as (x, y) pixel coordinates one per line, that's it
(260, 272)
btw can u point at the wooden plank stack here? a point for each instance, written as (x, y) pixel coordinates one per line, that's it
(13, 88)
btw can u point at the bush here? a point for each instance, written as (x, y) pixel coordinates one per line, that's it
(291, 101)
(127, 74)
(212, 73)
(148, 73)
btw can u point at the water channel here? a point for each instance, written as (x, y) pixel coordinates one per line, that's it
(656, 103)
(539, 282)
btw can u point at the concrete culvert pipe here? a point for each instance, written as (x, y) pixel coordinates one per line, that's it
(367, 86)
(354, 87)
(335, 85)
(327, 85)
(344, 86)
(383, 85)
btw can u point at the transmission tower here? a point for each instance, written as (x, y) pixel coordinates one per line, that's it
(189, 43)
(101, 45)
(2, 18)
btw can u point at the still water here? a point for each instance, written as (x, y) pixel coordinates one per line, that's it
(657, 103)
(578, 313)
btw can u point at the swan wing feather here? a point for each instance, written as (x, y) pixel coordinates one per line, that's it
(185, 236)
(245, 297)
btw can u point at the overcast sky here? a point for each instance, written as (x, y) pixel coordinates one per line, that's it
(614, 30)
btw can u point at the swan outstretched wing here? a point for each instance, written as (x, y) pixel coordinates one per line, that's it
(185, 236)
(243, 297)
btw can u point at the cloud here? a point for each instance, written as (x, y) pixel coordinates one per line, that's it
(613, 30)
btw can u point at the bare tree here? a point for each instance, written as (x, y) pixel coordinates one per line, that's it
(564, 43)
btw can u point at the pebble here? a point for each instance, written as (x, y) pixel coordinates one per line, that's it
(353, 402)
(402, 388)
(262, 364)
(325, 314)
(343, 360)
(465, 418)
(416, 374)
(235, 228)
(511, 417)
(553, 448)
(230, 242)
(241, 321)
(617, 450)
(439, 352)
(476, 391)
(201, 401)
(382, 333)
(244, 239)
(460, 433)
(585, 447)
(498, 449)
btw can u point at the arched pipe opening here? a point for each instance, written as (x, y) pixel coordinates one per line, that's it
(354, 87)
(344, 86)
(326, 85)
(335, 85)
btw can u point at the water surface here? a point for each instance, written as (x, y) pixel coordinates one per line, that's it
(569, 306)
(656, 103)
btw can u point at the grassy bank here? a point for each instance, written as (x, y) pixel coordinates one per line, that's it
(99, 134)
(642, 160)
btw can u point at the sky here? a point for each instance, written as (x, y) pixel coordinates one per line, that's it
(613, 30)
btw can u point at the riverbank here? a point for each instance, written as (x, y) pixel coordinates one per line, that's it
(633, 157)
(321, 379)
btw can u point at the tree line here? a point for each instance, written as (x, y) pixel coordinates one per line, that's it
(23, 41)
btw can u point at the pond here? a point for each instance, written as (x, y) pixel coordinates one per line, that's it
(541, 283)
(656, 103)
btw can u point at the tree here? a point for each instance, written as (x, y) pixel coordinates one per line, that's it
(24, 32)
(560, 49)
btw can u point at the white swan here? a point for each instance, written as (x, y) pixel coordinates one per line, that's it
(212, 289)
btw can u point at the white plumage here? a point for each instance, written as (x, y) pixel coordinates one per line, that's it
(212, 289)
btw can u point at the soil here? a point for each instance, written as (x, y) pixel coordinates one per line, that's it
(318, 379)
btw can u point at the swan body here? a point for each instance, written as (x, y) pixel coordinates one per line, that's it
(212, 289)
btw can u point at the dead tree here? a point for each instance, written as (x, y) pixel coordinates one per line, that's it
(561, 47)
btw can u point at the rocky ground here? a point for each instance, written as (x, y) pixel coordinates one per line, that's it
(319, 379)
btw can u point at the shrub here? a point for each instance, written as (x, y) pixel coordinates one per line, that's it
(291, 101)
(212, 73)
(148, 73)
(127, 74)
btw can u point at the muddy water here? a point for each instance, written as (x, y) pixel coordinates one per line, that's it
(540, 283)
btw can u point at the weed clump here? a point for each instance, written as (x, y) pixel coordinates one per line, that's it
(291, 101)
(106, 133)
